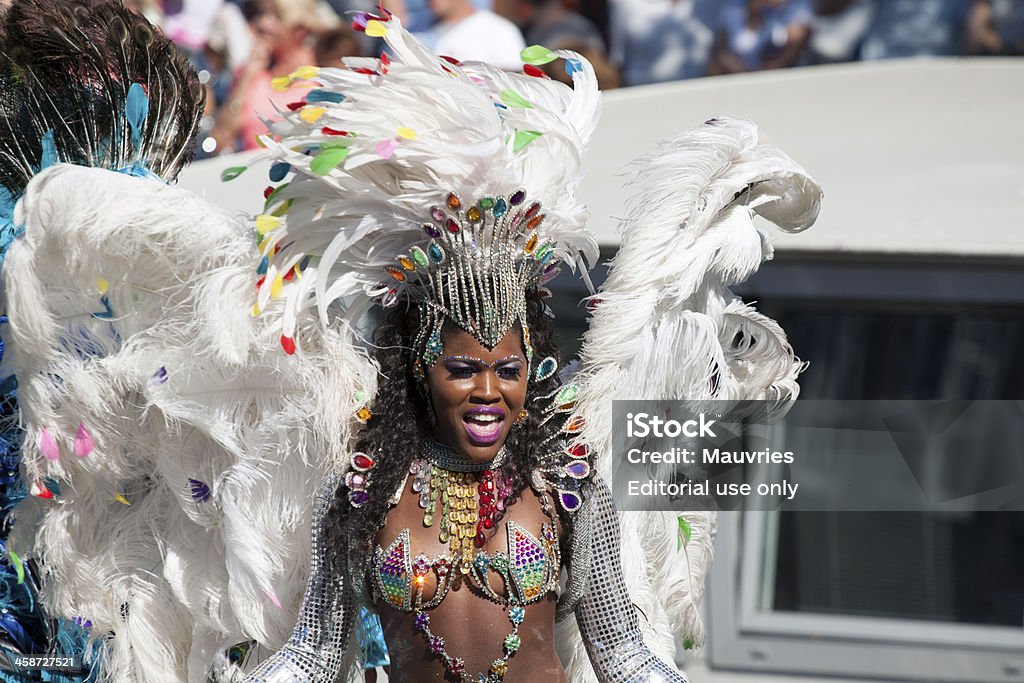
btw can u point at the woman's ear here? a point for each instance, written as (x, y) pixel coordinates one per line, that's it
(428, 400)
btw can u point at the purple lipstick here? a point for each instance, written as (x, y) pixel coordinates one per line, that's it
(483, 425)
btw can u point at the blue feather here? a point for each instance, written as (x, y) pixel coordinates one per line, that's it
(136, 110)
(49, 157)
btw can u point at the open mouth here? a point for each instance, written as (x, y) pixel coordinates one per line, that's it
(483, 425)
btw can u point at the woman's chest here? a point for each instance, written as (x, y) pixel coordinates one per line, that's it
(422, 553)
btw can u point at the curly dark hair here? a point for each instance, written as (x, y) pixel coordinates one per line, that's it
(401, 421)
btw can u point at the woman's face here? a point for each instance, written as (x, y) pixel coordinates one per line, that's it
(477, 394)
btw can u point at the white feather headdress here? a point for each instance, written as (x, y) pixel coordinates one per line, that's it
(402, 161)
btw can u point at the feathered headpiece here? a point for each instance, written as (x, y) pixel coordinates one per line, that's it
(422, 180)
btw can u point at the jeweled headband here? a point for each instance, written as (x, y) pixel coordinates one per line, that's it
(474, 271)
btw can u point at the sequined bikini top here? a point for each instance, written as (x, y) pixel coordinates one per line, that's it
(530, 569)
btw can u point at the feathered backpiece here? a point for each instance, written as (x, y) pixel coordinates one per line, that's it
(170, 448)
(419, 179)
(90, 83)
(666, 326)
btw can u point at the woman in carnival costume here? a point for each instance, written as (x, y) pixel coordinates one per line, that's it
(200, 428)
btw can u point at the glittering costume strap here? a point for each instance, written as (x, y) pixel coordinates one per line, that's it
(605, 614)
(316, 650)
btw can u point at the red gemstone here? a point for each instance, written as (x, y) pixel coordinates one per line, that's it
(452, 225)
(488, 522)
(384, 59)
(296, 105)
(266, 192)
(579, 451)
(288, 344)
(531, 70)
(451, 60)
(327, 130)
(532, 211)
(362, 462)
(479, 540)
(368, 72)
(489, 485)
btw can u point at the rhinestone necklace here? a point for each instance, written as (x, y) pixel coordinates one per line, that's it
(448, 458)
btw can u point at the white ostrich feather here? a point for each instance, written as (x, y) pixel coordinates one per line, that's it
(666, 327)
(179, 385)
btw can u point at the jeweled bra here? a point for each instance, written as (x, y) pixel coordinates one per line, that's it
(529, 569)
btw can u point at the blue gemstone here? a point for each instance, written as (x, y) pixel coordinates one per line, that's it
(546, 368)
(500, 207)
(435, 252)
(570, 501)
(577, 469)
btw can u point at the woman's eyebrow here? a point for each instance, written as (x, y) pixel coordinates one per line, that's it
(465, 359)
(483, 363)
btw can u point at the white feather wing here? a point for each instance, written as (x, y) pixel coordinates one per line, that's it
(667, 327)
(185, 528)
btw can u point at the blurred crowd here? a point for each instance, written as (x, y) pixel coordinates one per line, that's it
(238, 46)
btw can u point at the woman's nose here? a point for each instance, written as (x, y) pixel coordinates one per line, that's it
(486, 388)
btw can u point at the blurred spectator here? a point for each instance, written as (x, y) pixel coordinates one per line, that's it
(910, 28)
(230, 34)
(754, 35)
(283, 31)
(419, 18)
(334, 44)
(151, 9)
(996, 27)
(661, 40)
(838, 29)
(470, 34)
(188, 25)
(549, 23)
(597, 11)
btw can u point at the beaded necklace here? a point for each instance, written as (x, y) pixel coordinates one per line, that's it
(529, 569)
(444, 473)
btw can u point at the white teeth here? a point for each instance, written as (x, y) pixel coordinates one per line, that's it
(484, 418)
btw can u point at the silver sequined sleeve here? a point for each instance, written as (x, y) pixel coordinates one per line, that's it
(606, 617)
(316, 650)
